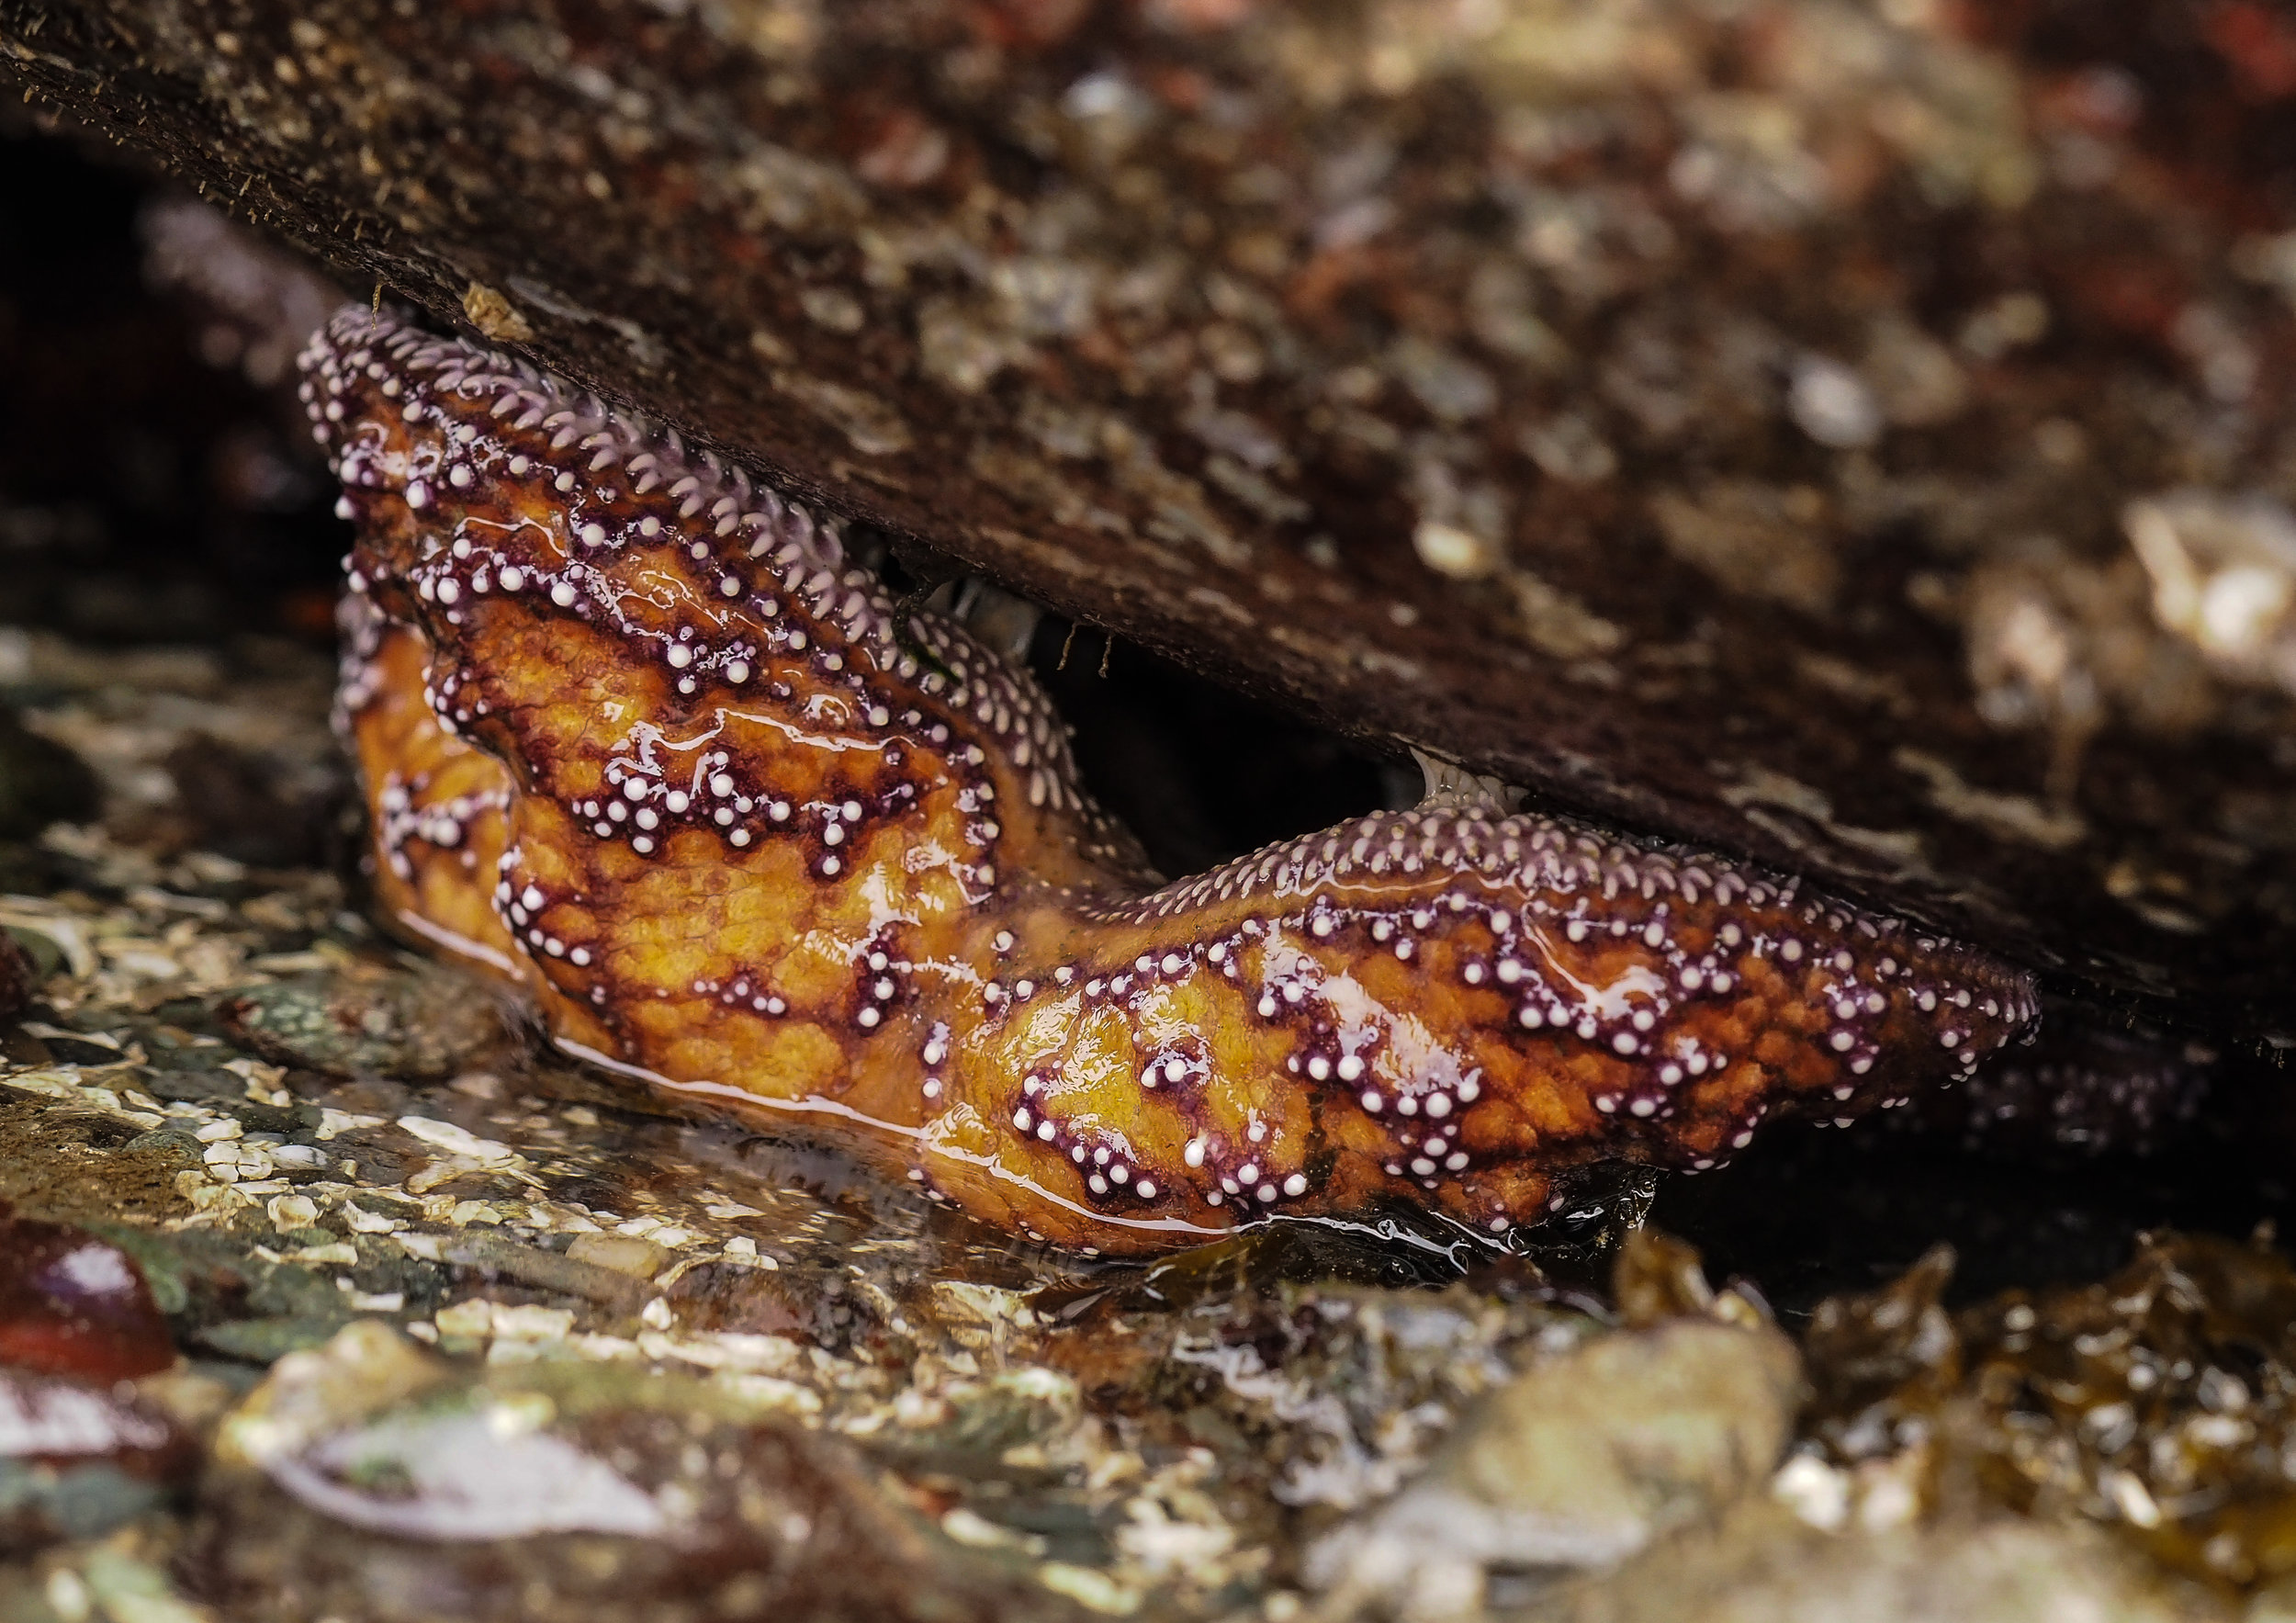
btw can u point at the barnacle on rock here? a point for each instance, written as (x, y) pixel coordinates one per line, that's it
(636, 735)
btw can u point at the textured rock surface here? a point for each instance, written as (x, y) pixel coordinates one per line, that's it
(1823, 433)
(547, 1492)
(1760, 1565)
(1581, 1462)
(655, 1322)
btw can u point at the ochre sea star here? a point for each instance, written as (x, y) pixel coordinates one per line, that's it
(637, 737)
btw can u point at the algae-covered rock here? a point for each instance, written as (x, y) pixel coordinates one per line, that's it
(370, 1478)
(1579, 1462)
(418, 1023)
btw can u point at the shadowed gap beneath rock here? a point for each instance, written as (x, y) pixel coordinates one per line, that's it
(1810, 1211)
(1200, 773)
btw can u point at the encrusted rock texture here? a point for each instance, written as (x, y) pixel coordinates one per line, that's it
(327, 1291)
(1856, 436)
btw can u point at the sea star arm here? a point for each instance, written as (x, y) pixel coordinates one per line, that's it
(636, 735)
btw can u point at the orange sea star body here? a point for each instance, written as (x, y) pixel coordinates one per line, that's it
(637, 737)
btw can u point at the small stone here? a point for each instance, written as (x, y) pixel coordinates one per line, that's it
(1833, 405)
(1450, 551)
(625, 1254)
(72, 1304)
(495, 316)
(290, 1213)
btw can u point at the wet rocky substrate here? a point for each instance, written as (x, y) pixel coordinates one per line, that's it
(325, 1292)
(1810, 501)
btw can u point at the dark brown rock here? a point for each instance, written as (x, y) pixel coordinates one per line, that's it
(19, 975)
(1852, 441)
(40, 781)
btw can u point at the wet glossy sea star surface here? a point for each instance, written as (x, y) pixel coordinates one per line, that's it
(637, 737)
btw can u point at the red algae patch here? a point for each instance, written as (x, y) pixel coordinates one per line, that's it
(72, 1304)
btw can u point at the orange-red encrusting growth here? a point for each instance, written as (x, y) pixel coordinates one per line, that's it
(637, 736)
